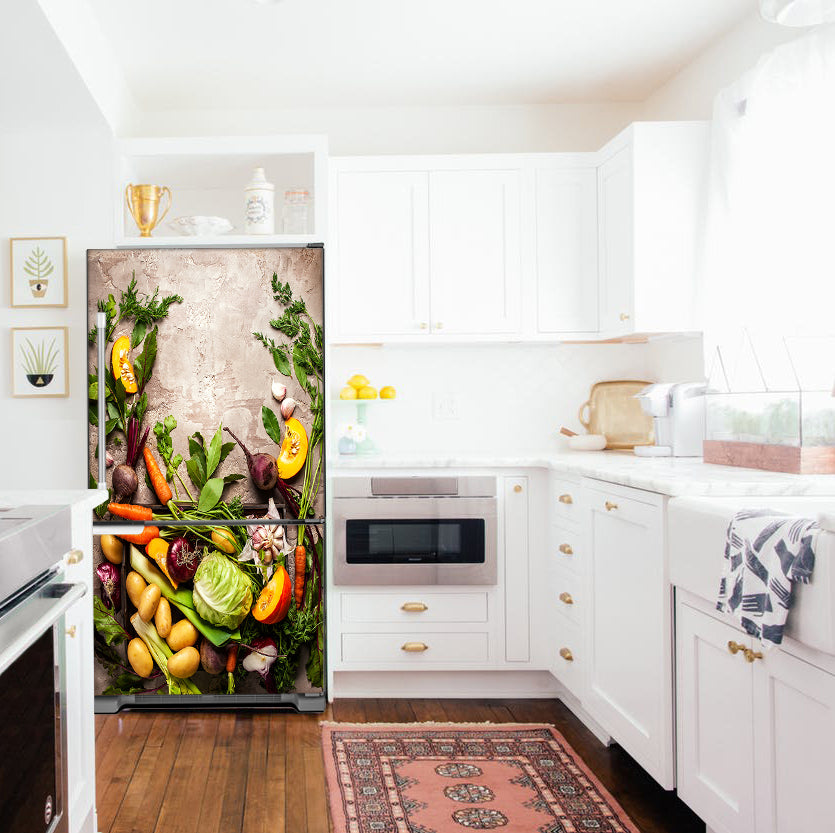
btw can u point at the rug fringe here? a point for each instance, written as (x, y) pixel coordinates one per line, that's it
(440, 723)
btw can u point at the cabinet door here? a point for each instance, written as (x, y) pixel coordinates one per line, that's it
(629, 632)
(715, 738)
(475, 251)
(516, 604)
(566, 250)
(616, 242)
(794, 734)
(382, 251)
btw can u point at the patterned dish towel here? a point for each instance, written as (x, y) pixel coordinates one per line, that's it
(764, 552)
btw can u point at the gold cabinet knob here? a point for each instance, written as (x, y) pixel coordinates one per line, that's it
(565, 598)
(735, 647)
(625, 316)
(610, 507)
(414, 647)
(517, 488)
(566, 655)
(750, 655)
(439, 325)
(565, 499)
(413, 607)
(74, 556)
(71, 631)
(424, 325)
(566, 549)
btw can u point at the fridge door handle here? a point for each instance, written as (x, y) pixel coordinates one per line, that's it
(101, 336)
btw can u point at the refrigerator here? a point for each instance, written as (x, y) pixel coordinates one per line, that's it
(206, 425)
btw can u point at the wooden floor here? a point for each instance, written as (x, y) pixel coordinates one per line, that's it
(215, 772)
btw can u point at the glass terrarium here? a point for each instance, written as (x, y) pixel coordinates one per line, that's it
(769, 404)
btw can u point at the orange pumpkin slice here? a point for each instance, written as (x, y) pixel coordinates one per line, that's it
(274, 602)
(122, 368)
(157, 550)
(293, 449)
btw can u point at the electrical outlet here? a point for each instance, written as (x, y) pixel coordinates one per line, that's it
(445, 407)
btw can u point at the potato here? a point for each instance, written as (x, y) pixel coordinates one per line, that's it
(148, 602)
(162, 618)
(184, 663)
(135, 584)
(112, 548)
(183, 635)
(223, 539)
(139, 657)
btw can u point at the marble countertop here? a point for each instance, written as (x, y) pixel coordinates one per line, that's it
(666, 476)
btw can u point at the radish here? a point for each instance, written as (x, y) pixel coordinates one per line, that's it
(262, 467)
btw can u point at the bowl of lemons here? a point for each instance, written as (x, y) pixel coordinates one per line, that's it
(359, 389)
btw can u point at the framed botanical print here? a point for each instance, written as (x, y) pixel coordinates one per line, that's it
(38, 273)
(40, 365)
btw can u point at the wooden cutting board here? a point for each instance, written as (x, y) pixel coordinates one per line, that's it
(613, 410)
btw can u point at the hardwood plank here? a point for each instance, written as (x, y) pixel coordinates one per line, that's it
(393, 711)
(295, 805)
(259, 804)
(349, 711)
(428, 711)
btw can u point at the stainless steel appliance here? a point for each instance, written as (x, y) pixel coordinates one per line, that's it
(678, 415)
(414, 530)
(33, 731)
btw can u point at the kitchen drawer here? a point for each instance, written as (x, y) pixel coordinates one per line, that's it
(566, 549)
(379, 649)
(629, 505)
(567, 596)
(565, 499)
(414, 608)
(567, 660)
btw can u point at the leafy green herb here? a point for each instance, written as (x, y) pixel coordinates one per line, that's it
(144, 363)
(271, 425)
(125, 684)
(213, 452)
(210, 494)
(165, 446)
(106, 625)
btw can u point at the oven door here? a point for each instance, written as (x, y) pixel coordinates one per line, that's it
(415, 541)
(33, 731)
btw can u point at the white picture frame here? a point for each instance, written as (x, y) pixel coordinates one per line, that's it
(40, 362)
(38, 272)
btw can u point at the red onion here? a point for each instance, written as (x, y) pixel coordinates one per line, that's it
(111, 588)
(181, 560)
(263, 652)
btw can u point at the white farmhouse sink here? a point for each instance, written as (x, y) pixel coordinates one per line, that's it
(696, 528)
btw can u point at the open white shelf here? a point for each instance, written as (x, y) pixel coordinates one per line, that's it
(207, 176)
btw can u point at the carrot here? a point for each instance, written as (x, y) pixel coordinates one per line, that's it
(146, 536)
(162, 488)
(130, 511)
(301, 561)
(231, 662)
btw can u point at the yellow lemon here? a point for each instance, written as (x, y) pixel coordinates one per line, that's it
(348, 393)
(367, 392)
(358, 381)
(387, 392)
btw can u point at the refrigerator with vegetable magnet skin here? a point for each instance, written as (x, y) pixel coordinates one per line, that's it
(206, 388)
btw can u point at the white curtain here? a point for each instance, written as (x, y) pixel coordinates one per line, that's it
(798, 12)
(769, 261)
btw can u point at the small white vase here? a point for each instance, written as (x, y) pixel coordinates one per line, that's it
(259, 207)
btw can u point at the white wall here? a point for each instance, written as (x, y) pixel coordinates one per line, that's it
(690, 93)
(55, 178)
(511, 398)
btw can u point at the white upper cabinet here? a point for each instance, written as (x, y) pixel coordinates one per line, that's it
(474, 251)
(566, 250)
(382, 245)
(651, 188)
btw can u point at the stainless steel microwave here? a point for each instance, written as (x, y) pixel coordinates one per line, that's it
(414, 530)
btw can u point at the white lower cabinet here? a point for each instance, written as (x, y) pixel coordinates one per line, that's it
(516, 584)
(755, 738)
(628, 641)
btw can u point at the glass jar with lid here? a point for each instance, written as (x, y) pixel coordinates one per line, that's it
(295, 211)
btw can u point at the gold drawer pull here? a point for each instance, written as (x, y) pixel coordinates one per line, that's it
(413, 607)
(565, 598)
(735, 647)
(414, 647)
(750, 655)
(624, 316)
(565, 499)
(74, 556)
(610, 506)
(517, 488)
(565, 549)
(71, 631)
(566, 655)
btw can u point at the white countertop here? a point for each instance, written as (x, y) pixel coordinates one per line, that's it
(666, 476)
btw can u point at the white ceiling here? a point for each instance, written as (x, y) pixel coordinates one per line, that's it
(200, 54)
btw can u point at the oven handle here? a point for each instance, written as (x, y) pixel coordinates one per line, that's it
(21, 626)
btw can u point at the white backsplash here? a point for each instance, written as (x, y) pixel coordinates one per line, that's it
(511, 398)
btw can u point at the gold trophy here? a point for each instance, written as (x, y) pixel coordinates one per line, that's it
(143, 204)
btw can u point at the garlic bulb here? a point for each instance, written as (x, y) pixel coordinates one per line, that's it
(279, 391)
(287, 407)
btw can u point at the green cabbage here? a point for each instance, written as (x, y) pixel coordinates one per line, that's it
(222, 592)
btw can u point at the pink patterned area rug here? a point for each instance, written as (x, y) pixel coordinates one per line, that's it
(448, 777)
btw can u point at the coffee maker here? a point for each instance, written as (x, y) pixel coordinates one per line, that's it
(678, 414)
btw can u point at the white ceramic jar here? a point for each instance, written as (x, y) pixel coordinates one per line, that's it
(259, 209)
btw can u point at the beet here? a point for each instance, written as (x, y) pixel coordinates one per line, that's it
(125, 482)
(262, 467)
(181, 560)
(212, 659)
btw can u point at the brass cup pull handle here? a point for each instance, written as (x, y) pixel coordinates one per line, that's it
(565, 598)
(610, 507)
(750, 655)
(624, 316)
(413, 607)
(567, 499)
(735, 647)
(566, 655)
(565, 549)
(71, 631)
(424, 325)
(414, 647)
(517, 488)
(74, 556)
